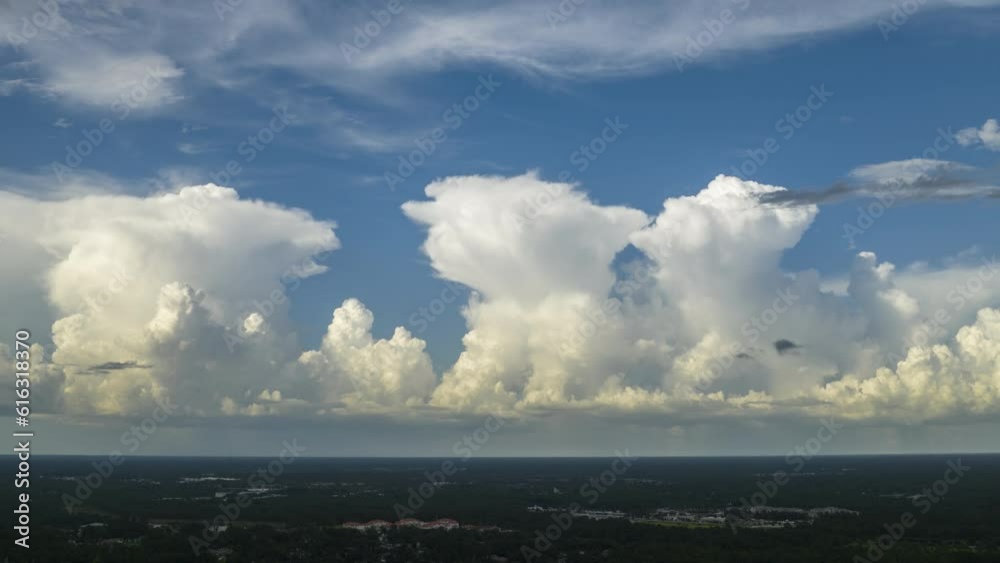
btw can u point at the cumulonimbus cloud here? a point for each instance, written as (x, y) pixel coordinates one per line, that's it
(182, 296)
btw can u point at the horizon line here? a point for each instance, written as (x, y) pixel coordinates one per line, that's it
(679, 456)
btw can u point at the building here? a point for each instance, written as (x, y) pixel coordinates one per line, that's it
(442, 524)
(370, 525)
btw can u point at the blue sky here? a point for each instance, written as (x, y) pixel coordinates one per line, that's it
(351, 122)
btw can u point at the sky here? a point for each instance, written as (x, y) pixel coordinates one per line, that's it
(683, 228)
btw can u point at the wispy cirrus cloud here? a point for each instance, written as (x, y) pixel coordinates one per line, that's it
(597, 41)
(106, 48)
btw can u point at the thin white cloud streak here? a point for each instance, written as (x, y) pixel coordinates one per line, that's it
(101, 49)
(599, 40)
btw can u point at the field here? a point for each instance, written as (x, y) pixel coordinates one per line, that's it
(701, 509)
